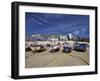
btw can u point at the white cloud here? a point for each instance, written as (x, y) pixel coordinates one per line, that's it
(77, 32)
(36, 21)
(41, 19)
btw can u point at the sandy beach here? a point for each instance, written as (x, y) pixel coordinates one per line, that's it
(58, 59)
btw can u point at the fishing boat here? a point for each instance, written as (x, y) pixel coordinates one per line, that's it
(27, 47)
(55, 48)
(38, 48)
(80, 47)
(67, 48)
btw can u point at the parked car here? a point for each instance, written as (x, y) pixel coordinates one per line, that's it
(67, 48)
(80, 47)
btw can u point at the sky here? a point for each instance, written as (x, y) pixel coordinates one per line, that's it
(49, 23)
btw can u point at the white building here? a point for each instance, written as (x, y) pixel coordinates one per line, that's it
(63, 38)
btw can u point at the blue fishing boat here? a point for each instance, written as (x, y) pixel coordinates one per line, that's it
(67, 48)
(80, 47)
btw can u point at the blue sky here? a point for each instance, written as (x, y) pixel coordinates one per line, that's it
(48, 23)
